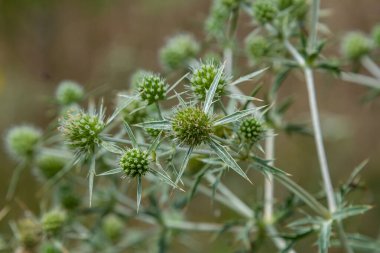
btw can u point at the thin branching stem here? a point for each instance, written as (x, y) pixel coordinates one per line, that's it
(268, 184)
(371, 66)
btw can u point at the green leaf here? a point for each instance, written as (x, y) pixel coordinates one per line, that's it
(350, 211)
(176, 83)
(249, 76)
(184, 164)
(296, 189)
(139, 192)
(157, 124)
(121, 107)
(361, 242)
(131, 135)
(227, 158)
(165, 179)
(211, 91)
(155, 143)
(236, 116)
(111, 147)
(111, 172)
(324, 236)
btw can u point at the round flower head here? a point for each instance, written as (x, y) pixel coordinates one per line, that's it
(29, 232)
(53, 222)
(202, 77)
(231, 4)
(251, 129)
(69, 92)
(22, 141)
(134, 162)
(136, 77)
(49, 165)
(178, 51)
(215, 23)
(152, 88)
(153, 133)
(191, 126)
(257, 46)
(264, 10)
(68, 198)
(49, 248)
(112, 227)
(376, 35)
(81, 130)
(355, 45)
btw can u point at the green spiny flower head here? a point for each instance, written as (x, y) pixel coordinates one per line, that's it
(49, 248)
(49, 165)
(376, 35)
(136, 77)
(191, 126)
(134, 162)
(68, 198)
(251, 129)
(179, 51)
(257, 46)
(112, 227)
(152, 88)
(29, 232)
(202, 77)
(355, 45)
(264, 10)
(231, 4)
(153, 133)
(53, 222)
(69, 92)
(22, 141)
(216, 21)
(82, 130)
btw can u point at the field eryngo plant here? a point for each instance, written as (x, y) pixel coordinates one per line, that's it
(168, 141)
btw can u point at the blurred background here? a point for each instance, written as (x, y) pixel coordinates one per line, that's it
(100, 43)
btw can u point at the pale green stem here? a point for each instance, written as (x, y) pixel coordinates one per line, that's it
(268, 184)
(361, 79)
(319, 142)
(371, 66)
(14, 180)
(232, 197)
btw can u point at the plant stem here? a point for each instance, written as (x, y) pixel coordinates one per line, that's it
(319, 140)
(371, 66)
(268, 184)
(159, 110)
(361, 79)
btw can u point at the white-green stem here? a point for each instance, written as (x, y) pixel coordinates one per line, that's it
(268, 184)
(316, 126)
(371, 66)
(319, 141)
(248, 212)
(361, 79)
(228, 58)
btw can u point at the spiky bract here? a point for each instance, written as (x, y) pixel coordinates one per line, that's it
(202, 77)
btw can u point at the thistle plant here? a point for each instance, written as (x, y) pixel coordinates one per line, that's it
(170, 141)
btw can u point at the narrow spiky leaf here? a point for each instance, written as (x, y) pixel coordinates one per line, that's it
(184, 164)
(227, 158)
(211, 92)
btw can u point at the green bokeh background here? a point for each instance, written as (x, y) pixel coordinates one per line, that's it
(99, 43)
